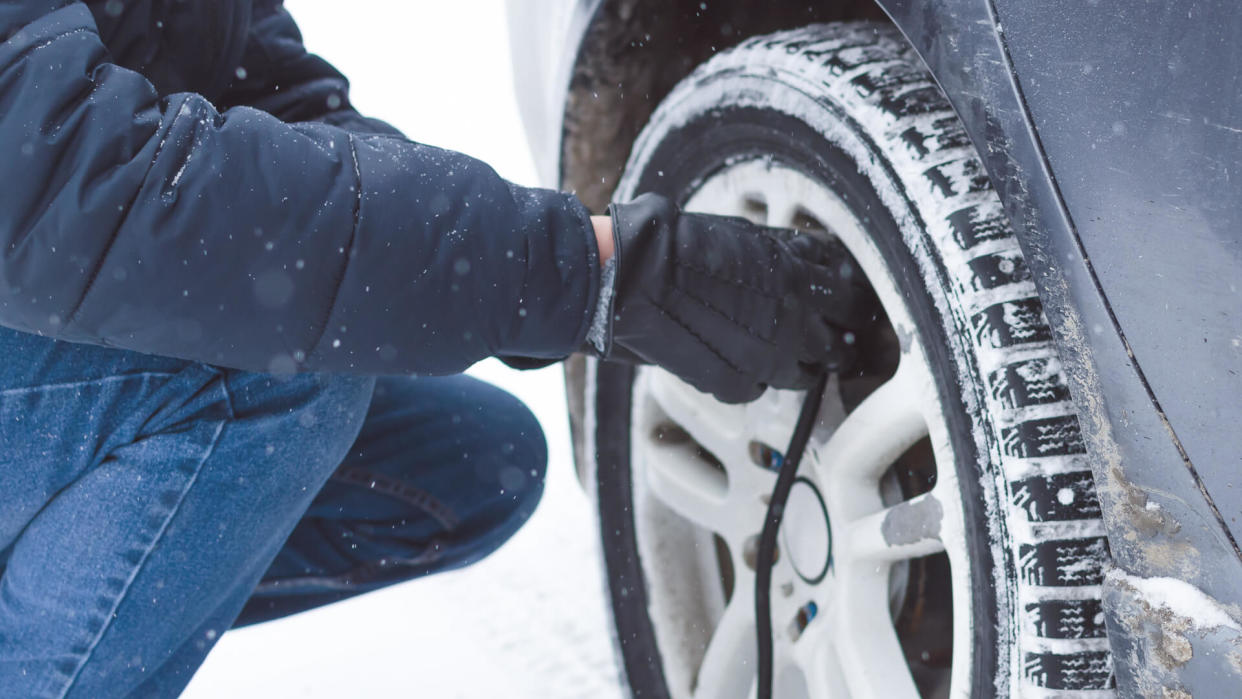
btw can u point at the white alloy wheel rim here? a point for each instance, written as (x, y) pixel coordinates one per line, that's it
(682, 501)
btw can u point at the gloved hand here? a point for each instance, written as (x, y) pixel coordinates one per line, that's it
(728, 306)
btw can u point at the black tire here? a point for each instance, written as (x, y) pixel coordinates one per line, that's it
(850, 105)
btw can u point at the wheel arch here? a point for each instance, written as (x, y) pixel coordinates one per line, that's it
(631, 55)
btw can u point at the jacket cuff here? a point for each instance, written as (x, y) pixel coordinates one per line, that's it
(599, 334)
(562, 284)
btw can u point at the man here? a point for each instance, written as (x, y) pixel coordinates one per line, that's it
(233, 313)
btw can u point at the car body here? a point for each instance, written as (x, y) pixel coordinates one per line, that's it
(1113, 134)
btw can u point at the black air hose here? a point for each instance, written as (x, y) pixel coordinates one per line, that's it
(772, 523)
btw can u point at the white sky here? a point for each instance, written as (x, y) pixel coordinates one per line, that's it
(439, 71)
(530, 620)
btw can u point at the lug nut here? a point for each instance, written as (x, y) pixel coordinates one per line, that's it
(765, 456)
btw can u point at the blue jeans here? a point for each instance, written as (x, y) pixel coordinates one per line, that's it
(148, 504)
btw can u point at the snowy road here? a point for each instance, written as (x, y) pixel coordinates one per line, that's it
(530, 620)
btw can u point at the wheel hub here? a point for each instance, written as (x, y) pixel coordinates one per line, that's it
(806, 534)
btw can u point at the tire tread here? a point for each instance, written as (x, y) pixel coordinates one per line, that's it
(918, 123)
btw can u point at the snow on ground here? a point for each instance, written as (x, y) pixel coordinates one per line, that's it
(529, 621)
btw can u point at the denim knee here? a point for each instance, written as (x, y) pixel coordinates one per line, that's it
(303, 425)
(523, 460)
(445, 470)
(509, 461)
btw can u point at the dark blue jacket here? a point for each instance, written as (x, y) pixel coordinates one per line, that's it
(180, 177)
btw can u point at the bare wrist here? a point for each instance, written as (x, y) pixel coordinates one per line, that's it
(603, 236)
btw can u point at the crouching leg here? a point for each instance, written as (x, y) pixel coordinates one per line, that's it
(444, 471)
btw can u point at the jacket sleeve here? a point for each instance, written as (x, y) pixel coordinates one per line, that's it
(160, 225)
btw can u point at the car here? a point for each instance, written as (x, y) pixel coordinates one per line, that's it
(1027, 489)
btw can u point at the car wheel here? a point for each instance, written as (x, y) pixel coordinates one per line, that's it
(943, 538)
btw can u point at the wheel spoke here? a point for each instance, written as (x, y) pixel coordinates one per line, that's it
(781, 208)
(872, 661)
(771, 418)
(816, 656)
(878, 431)
(717, 427)
(728, 502)
(689, 486)
(907, 530)
(728, 668)
(723, 196)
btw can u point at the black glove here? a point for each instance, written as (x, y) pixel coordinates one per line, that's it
(728, 306)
